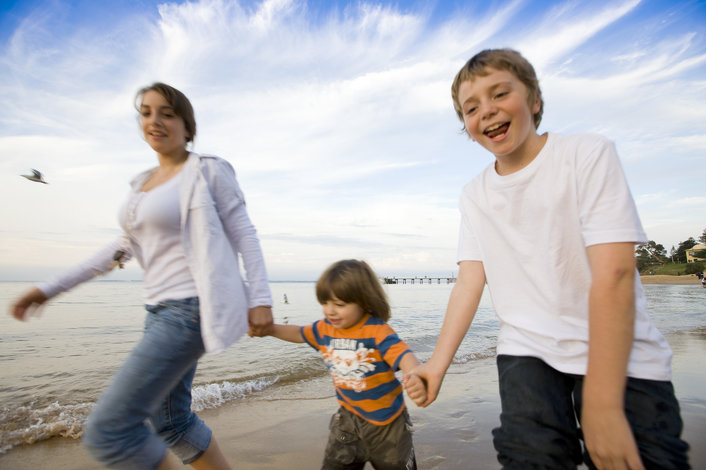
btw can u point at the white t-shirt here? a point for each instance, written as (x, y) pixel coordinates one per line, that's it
(531, 229)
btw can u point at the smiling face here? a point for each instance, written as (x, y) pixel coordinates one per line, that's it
(497, 115)
(342, 314)
(163, 129)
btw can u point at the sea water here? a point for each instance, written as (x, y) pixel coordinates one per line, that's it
(54, 367)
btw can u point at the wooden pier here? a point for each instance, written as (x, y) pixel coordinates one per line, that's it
(418, 280)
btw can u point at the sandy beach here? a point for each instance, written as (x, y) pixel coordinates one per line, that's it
(686, 279)
(453, 433)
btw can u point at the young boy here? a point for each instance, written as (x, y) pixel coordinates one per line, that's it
(362, 353)
(550, 227)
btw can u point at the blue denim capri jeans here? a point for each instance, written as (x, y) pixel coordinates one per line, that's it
(153, 385)
(539, 427)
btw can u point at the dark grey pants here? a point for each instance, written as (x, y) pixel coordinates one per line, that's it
(541, 408)
(354, 441)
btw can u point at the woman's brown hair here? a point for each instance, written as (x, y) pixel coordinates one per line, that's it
(177, 100)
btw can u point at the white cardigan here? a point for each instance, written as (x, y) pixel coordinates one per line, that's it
(215, 229)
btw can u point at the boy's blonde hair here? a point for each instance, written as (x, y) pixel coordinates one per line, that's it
(500, 59)
(354, 281)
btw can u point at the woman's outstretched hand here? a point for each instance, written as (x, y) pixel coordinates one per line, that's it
(27, 305)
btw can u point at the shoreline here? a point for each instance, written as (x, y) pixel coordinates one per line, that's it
(453, 433)
(686, 279)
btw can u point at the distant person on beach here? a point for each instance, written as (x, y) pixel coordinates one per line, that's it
(362, 353)
(550, 227)
(185, 221)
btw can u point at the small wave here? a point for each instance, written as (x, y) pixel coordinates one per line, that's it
(476, 356)
(27, 425)
(216, 394)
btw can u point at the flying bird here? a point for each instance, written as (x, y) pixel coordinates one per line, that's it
(36, 176)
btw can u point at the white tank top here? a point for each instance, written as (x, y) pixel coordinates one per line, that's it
(153, 223)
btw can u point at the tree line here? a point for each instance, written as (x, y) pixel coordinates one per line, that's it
(652, 253)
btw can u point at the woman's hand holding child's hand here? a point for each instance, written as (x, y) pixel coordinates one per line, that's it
(261, 321)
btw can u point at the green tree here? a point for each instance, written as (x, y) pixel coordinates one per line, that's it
(649, 254)
(680, 255)
(702, 238)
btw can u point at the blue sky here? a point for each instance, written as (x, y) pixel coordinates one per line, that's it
(336, 115)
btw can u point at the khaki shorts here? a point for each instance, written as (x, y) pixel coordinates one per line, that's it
(354, 441)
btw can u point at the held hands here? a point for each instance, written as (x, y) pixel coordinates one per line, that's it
(260, 320)
(27, 305)
(431, 380)
(423, 384)
(416, 388)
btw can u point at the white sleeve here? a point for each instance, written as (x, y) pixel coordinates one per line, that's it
(240, 227)
(101, 262)
(607, 210)
(468, 249)
(230, 204)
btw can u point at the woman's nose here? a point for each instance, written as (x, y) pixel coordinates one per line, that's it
(152, 118)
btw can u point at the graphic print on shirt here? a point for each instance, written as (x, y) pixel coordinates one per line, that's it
(348, 361)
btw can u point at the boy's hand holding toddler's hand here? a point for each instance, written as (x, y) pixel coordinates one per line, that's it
(431, 379)
(416, 388)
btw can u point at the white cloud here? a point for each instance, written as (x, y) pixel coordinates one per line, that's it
(696, 201)
(338, 121)
(566, 27)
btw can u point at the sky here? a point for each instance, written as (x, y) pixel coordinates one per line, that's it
(336, 115)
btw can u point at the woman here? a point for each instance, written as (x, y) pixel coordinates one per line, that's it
(185, 221)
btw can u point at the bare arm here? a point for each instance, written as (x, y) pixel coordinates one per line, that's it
(291, 333)
(408, 363)
(460, 311)
(611, 328)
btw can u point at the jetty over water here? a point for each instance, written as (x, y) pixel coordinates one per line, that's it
(419, 280)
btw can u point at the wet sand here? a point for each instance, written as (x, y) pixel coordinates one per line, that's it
(453, 433)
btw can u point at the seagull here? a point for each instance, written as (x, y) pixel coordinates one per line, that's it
(36, 176)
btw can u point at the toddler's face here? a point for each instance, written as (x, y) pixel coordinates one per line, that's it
(342, 314)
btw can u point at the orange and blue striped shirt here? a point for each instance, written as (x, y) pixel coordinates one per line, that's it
(362, 361)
